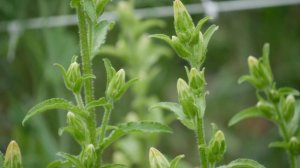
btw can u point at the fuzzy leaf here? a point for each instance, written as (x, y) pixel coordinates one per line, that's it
(175, 161)
(50, 104)
(90, 10)
(110, 71)
(71, 158)
(208, 33)
(173, 107)
(247, 113)
(135, 127)
(100, 5)
(100, 102)
(114, 166)
(100, 33)
(243, 163)
(162, 37)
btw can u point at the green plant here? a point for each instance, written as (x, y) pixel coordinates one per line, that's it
(274, 104)
(191, 45)
(81, 117)
(13, 158)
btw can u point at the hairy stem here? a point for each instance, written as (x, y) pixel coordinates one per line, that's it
(201, 141)
(84, 33)
(104, 124)
(79, 100)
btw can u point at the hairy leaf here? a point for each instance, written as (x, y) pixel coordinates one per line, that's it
(50, 104)
(110, 71)
(247, 113)
(243, 163)
(96, 103)
(90, 10)
(175, 161)
(208, 33)
(71, 158)
(59, 163)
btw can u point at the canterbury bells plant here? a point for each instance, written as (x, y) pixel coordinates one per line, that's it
(191, 44)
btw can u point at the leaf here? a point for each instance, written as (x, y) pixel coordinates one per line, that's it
(288, 91)
(71, 158)
(247, 113)
(144, 126)
(90, 10)
(127, 85)
(114, 166)
(110, 71)
(162, 37)
(100, 5)
(175, 161)
(59, 163)
(243, 163)
(96, 103)
(197, 29)
(266, 61)
(208, 33)
(135, 127)
(173, 107)
(100, 32)
(50, 104)
(279, 144)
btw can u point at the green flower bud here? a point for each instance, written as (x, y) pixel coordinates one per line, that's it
(73, 73)
(13, 158)
(157, 159)
(183, 22)
(197, 81)
(115, 86)
(89, 156)
(186, 99)
(289, 107)
(265, 107)
(294, 146)
(77, 127)
(217, 147)
(180, 49)
(253, 64)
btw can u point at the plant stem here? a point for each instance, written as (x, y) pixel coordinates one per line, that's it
(84, 33)
(104, 124)
(286, 136)
(201, 141)
(79, 100)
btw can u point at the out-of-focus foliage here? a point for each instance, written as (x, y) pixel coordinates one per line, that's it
(30, 77)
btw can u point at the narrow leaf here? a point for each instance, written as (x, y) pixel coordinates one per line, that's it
(243, 163)
(245, 114)
(71, 158)
(278, 144)
(59, 163)
(50, 104)
(145, 127)
(96, 103)
(114, 166)
(173, 107)
(175, 161)
(208, 33)
(288, 91)
(110, 71)
(162, 37)
(90, 10)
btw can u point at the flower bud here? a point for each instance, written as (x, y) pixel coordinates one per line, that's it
(89, 156)
(186, 99)
(180, 49)
(157, 159)
(73, 73)
(78, 128)
(253, 65)
(217, 147)
(197, 81)
(115, 86)
(265, 107)
(183, 22)
(289, 107)
(13, 158)
(294, 146)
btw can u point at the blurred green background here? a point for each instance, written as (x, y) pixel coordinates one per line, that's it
(27, 77)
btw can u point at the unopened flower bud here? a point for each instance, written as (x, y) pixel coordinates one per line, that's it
(252, 62)
(13, 158)
(289, 107)
(183, 22)
(197, 80)
(294, 146)
(265, 107)
(217, 146)
(157, 159)
(115, 86)
(73, 73)
(78, 128)
(89, 156)
(186, 98)
(180, 49)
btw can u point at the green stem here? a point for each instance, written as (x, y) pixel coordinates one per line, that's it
(79, 100)
(285, 135)
(84, 33)
(104, 124)
(201, 142)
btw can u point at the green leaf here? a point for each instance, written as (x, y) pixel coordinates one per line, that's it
(59, 163)
(71, 158)
(196, 31)
(162, 37)
(145, 127)
(114, 166)
(247, 113)
(288, 91)
(100, 5)
(175, 161)
(100, 32)
(266, 61)
(135, 127)
(50, 104)
(208, 33)
(90, 10)
(96, 103)
(243, 163)
(110, 71)
(279, 144)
